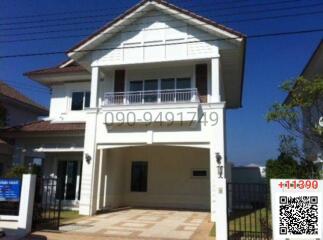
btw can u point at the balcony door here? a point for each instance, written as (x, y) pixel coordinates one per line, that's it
(143, 91)
(150, 87)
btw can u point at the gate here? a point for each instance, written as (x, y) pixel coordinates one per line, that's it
(47, 205)
(249, 215)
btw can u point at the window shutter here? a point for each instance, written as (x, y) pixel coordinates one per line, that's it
(119, 78)
(201, 81)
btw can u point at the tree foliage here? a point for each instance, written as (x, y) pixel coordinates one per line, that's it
(305, 98)
(289, 163)
(17, 171)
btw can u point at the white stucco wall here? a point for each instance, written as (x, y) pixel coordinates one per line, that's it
(170, 183)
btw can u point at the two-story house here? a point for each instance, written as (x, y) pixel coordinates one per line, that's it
(138, 111)
(16, 109)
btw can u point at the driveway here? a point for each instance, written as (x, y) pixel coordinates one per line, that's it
(139, 224)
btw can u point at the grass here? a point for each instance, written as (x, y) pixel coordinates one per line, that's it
(247, 222)
(68, 215)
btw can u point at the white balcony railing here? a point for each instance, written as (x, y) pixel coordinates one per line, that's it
(154, 96)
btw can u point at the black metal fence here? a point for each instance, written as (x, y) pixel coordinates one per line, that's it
(249, 215)
(47, 206)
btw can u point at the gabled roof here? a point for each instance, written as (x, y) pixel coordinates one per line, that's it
(13, 94)
(141, 5)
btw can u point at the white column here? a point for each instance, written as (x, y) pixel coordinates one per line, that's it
(218, 182)
(94, 87)
(26, 205)
(215, 80)
(99, 194)
(90, 166)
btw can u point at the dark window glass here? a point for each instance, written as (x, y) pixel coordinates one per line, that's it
(199, 173)
(71, 173)
(135, 86)
(87, 99)
(168, 84)
(182, 94)
(183, 83)
(150, 87)
(66, 180)
(77, 100)
(139, 176)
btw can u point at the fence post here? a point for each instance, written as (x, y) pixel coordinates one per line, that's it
(221, 214)
(27, 202)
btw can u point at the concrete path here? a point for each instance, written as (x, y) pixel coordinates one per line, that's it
(136, 224)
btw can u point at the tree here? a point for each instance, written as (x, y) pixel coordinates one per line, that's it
(285, 166)
(304, 102)
(300, 114)
(289, 163)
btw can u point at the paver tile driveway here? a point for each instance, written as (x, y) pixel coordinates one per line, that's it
(140, 224)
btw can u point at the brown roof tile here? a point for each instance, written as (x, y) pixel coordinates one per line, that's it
(7, 91)
(46, 126)
(55, 70)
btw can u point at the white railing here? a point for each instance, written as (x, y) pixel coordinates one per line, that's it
(154, 96)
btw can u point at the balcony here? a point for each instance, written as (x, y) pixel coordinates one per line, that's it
(151, 97)
(178, 106)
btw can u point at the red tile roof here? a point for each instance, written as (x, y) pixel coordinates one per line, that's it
(46, 126)
(9, 92)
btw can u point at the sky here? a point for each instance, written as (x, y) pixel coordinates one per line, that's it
(269, 61)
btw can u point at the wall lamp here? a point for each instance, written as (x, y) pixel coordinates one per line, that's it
(220, 167)
(88, 158)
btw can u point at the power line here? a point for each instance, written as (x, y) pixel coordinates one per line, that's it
(98, 10)
(220, 15)
(102, 15)
(153, 45)
(97, 21)
(179, 26)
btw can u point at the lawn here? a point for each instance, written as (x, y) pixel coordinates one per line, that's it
(68, 216)
(247, 222)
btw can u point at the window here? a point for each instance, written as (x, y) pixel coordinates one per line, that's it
(172, 89)
(151, 85)
(139, 173)
(183, 83)
(199, 173)
(168, 84)
(168, 87)
(80, 100)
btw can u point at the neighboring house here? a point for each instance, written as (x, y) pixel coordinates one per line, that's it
(248, 174)
(124, 125)
(18, 109)
(313, 68)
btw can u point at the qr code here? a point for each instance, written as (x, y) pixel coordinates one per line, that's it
(298, 215)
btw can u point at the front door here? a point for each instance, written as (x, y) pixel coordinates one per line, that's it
(67, 177)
